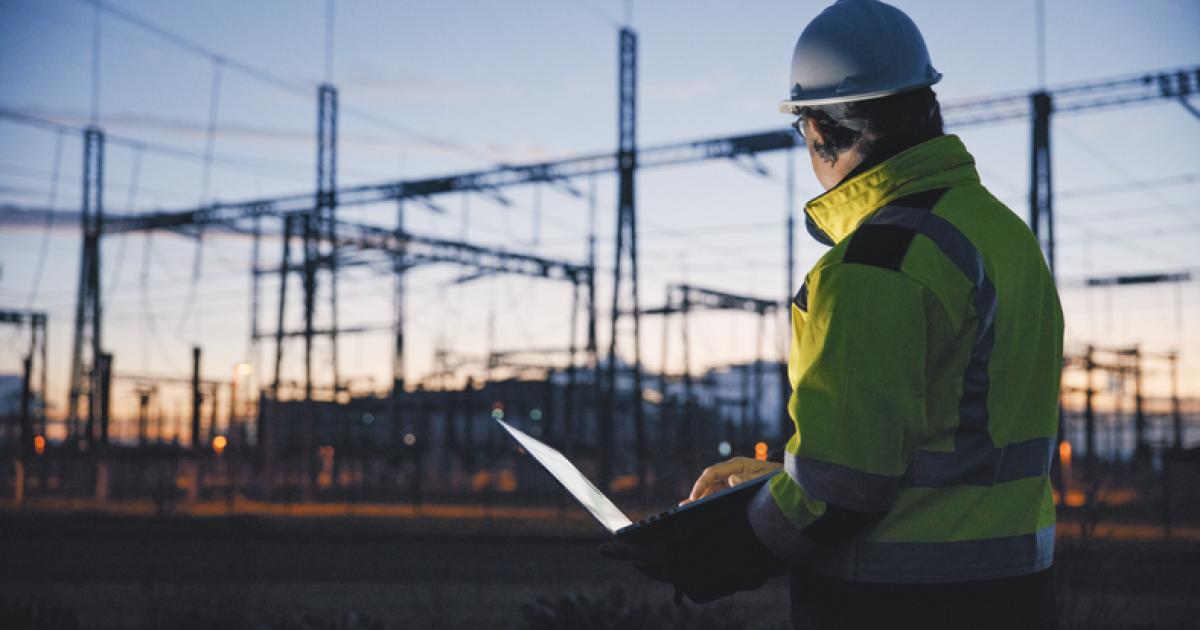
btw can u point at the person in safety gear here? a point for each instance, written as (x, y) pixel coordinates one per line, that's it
(925, 360)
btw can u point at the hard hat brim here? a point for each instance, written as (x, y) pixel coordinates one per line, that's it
(792, 106)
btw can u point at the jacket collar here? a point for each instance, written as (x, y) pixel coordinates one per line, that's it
(938, 163)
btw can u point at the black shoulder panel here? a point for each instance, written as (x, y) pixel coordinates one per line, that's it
(879, 245)
(882, 242)
(801, 297)
(925, 200)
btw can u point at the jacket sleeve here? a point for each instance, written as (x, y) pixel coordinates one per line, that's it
(858, 373)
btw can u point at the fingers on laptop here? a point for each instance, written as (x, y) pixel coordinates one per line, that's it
(716, 477)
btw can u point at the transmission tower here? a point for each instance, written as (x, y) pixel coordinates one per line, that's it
(626, 246)
(86, 350)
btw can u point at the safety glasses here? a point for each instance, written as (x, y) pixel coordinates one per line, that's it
(798, 126)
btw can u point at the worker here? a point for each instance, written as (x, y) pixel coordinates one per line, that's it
(925, 362)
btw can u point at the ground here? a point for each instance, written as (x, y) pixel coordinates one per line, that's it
(440, 567)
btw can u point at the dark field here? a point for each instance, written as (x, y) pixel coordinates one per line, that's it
(106, 571)
(114, 572)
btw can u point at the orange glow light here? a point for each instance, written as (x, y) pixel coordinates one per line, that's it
(760, 451)
(39, 444)
(219, 443)
(1064, 452)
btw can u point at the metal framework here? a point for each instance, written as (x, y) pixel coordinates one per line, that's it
(1041, 184)
(32, 418)
(315, 220)
(320, 234)
(683, 299)
(86, 349)
(1171, 84)
(626, 246)
(1142, 278)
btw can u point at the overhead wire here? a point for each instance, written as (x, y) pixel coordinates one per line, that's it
(596, 13)
(49, 176)
(210, 137)
(95, 112)
(330, 4)
(259, 165)
(214, 104)
(130, 203)
(1114, 166)
(51, 203)
(1135, 184)
(149, 321)
(303, 89)
(184, 43)
(329, 33)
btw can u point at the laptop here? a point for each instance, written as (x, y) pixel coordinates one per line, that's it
(649, 529)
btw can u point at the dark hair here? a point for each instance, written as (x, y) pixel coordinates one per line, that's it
(879, 128)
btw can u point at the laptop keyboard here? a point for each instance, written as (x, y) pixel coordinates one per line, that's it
(652, 518)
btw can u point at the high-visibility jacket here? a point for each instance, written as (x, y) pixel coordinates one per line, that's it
(925, 362)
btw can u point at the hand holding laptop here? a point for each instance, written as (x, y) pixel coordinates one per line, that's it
(705, 549)
(728, 474)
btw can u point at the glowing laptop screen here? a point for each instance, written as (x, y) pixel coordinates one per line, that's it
(569, 476)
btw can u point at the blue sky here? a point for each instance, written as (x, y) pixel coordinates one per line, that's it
(530, 80)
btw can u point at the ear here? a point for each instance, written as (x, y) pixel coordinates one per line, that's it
(812, 134)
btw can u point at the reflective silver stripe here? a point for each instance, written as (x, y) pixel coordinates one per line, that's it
(775, 531)
(841, 485)
(953, 561)
(984, 467)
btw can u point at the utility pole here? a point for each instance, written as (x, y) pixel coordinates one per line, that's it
(326, 208)
(85, 352)
(687, 436)
(626, 245)
(197, 397)
(786, 427)
(398, 306)
(104, 365)
(31, 413)
(1041, 183)
(1176, 411)
(1089, 412)
(1141, 449)
(26, 417)
(143, 393)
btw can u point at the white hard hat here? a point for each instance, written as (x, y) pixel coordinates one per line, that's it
(857, 50)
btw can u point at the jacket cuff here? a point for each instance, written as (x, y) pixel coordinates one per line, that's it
(782, 538)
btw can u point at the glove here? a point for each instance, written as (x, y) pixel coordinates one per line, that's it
(710, 559)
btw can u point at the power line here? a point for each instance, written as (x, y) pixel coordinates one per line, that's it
(302, 89)
(184, 43)
(442, 143)
(49, 176)
(96, 62)
(1115, 166)
(597, 13)
(1132, 185)
(130, 200)
(50, 203)
(229, 161)
(329, 33)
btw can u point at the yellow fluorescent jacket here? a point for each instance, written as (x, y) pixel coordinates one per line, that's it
(925, 362)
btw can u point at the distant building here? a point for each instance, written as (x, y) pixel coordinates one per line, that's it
(10, 408)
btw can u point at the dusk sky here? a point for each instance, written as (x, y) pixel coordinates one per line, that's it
(467, 85)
